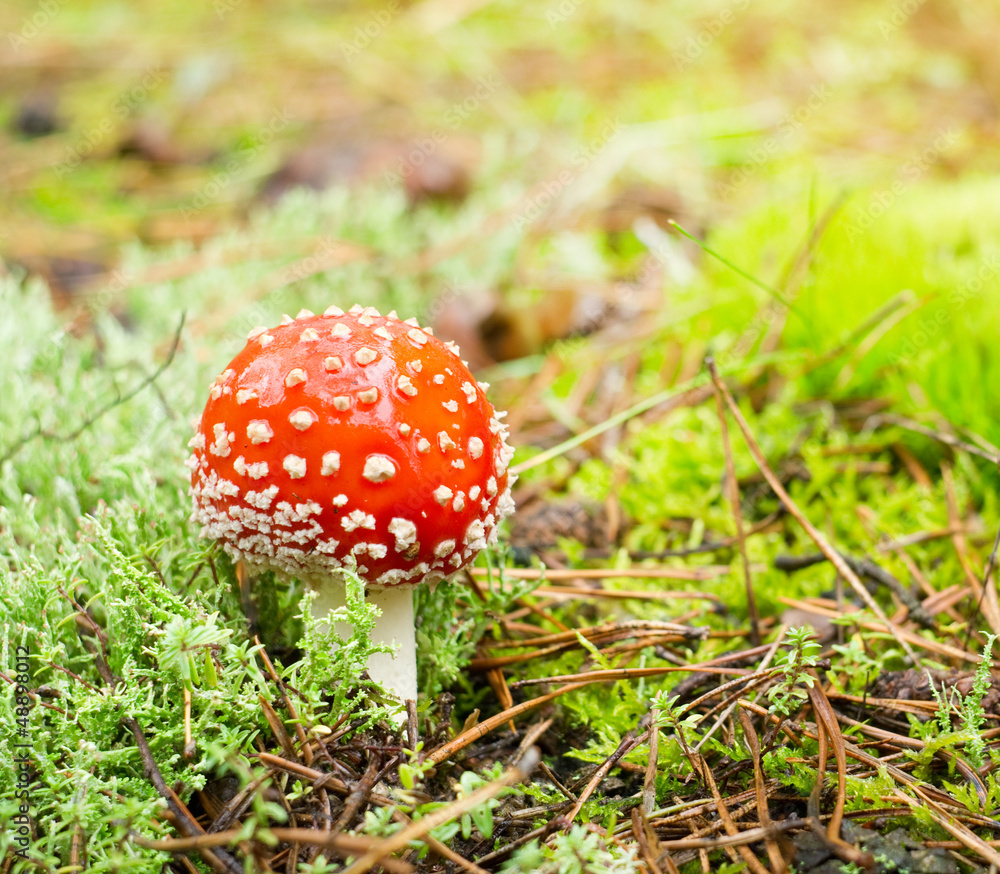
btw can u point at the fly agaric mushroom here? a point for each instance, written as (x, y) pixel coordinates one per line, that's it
(352, 440)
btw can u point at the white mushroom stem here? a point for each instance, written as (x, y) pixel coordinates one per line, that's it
(396, 671)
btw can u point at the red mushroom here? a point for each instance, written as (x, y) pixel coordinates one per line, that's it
(352, 440)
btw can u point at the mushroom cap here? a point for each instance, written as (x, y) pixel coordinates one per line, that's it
(350, 439)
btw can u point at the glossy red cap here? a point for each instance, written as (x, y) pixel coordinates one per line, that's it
(350, 439)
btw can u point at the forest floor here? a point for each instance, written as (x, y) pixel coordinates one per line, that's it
(733, 272)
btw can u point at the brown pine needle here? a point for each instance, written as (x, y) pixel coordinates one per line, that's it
(708, 572)
(824, 608)
(471, 735)
(826, 718)
(627, 744)
(599, 634)
(814, 533)
(415, 831)
(620, 595)
(627, 674)
(760, 789)
(345, 845)
(749, 859)
(649, 779)
(733, 487)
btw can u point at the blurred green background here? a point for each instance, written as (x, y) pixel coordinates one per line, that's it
(511, 173)
(578, 123)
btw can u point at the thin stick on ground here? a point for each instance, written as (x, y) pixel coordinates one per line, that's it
(987, 574)
(445, 751)
(220, 860)
(706, 572)
(940, 436)
(814, 533)
(826, 721)
(986, 603)
(733, 487)
(436, 846)
(344, 845)
(749, 859)
(764, 664)
(830, 611)
(627, 745)
(763, 812)
(418, 829)
(644, 836)
(89, 421)
(649, 781)
(991, 562)
(292, 712)
(617, 674)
